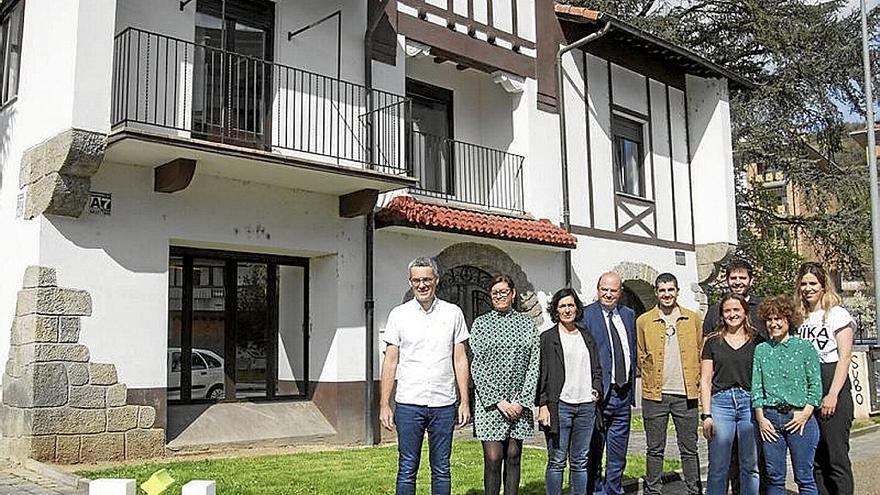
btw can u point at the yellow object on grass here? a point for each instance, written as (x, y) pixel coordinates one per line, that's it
(158, 482)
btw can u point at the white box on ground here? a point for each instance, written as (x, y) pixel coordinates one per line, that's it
(111, 487)
(200, 487)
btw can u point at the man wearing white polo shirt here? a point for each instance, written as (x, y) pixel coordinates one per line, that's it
(425, 350)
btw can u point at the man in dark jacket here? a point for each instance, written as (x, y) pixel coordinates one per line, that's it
(613, 327)
(740, 279)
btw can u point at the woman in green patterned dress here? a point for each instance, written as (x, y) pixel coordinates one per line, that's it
(506, 350)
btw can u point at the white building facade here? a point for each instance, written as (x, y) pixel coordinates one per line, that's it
(222, 201)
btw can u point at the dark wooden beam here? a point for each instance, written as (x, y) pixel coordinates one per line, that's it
(357, 203)
(174, 176)
(476, 53)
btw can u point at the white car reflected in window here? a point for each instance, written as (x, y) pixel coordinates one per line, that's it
(207, 374)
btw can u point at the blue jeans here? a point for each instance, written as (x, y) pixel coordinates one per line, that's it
(732, 419)
(613, 442)
(802, 448)
(573, 442)
(412, 422)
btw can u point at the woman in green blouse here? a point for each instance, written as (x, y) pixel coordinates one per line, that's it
(786, 387)
(505, 366)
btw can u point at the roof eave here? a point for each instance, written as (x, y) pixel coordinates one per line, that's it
(586, 16)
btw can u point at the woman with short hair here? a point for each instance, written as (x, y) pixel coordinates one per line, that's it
(505, 366)
(786, 388)
(568, 392)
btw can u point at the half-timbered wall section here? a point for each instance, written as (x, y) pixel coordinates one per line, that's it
(629, 154)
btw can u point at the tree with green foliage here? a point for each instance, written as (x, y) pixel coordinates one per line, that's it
(806, 60)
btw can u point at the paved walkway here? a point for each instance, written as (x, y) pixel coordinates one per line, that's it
(17, 480)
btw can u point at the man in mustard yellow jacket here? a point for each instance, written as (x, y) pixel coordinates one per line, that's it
(669, 340)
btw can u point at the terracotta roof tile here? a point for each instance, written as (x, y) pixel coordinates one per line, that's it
(592, 15)
(406, 210)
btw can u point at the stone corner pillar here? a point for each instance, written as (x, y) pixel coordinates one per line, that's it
(710, 259)
(58, 405)
(57, 172)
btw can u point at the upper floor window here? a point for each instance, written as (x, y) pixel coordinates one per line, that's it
(629, 155)
(11, 20)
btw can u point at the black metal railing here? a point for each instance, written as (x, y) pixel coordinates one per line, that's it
(464, 172)
(209, 93)
(865, 333)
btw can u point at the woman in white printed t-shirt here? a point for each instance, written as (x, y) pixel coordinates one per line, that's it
(830, 328)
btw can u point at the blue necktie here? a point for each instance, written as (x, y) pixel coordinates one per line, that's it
(617, 345)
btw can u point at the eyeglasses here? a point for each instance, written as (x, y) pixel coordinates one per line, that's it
(501, 294)
(415, 282)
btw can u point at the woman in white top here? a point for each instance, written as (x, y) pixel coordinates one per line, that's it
(830, 328)
(568, 390)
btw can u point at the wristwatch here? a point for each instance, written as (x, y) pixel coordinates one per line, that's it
(704, 416)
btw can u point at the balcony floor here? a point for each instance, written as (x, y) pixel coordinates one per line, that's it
(309, 173)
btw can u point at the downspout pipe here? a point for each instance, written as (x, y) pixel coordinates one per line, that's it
(563, 140)
(370, 411)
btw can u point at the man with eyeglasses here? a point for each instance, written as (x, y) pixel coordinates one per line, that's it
(425, 349)
(613, 328)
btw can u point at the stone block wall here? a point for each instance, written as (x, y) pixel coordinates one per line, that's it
(58, 406)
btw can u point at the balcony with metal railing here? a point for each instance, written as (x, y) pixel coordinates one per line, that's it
(465, 173)
(173, 98)
(229, 110)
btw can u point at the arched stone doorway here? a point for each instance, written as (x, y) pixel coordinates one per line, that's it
(638, 296)
(466, 285)
(638, 286)
(467, 269)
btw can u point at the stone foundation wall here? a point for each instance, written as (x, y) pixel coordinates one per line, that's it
(58, 406)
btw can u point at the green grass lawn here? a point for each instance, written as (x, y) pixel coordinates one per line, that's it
(858, 424)
(366, 471)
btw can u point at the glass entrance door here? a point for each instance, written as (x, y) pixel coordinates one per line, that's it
(238, 326)
(252, 328)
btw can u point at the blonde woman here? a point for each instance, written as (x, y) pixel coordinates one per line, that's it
(830, 328)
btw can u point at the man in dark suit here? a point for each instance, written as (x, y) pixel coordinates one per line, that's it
(613, 327)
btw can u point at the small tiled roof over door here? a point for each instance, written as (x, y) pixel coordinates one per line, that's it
(409, 212)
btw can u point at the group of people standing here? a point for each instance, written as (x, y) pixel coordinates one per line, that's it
(775, 383)
(763, 390)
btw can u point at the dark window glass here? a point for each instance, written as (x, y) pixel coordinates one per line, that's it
(212, 361)
(237, 326)
(11, 21)
(197, 362)
(229, 83)
(629, 156)
(430, 154)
